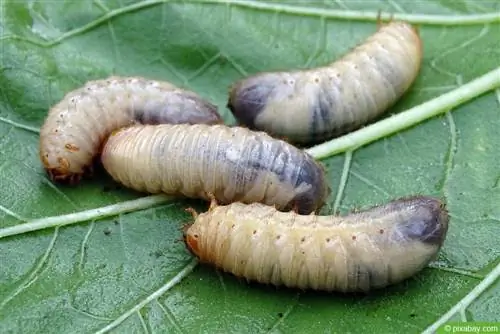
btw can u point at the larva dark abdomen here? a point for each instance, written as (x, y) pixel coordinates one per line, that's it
(232, 163)
(321, 103)
(358, 252)
(75, 127)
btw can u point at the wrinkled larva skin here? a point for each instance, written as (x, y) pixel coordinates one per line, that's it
(232, 163)
(318, 104)
(75, 128)
(358, 252)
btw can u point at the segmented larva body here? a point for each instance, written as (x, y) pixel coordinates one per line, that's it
(232, 163)
(75, 128)
(318, 104)
(358, 252)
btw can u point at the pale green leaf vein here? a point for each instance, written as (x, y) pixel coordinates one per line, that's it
(445, 55)
(285, 314)
(35, 273)
(343, 14)
(158, 293)
(342, 182)
(462, 305)
(19, 125)
(170, 316)
(93, 214)
(12, 213)
(450, 156)
(455, 271)
(144, 326)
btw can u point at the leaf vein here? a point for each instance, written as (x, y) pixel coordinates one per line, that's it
(35, 272)
(369, 183)
(20, 125)
(143, 322)
(167, 286)
(320, 43)
(450, 155)
(362, 15)
(77, 217)
(489, 280)
(170, 316)
(204, 67)
(83, 248)
(343, 181)
(442, 55)
(285, 314)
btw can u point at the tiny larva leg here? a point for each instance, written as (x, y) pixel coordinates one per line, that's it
(193, 212)
(213, 201)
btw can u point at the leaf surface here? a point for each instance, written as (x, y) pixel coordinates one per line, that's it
(121, 272)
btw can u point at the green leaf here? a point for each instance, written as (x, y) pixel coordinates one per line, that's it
(121, 266)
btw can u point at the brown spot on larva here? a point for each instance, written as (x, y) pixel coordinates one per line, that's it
(381, 231)
(278, 237)
(71, 147)
(302, 239)
(327, 239)
(64, 164)
(353, 237)
(232, 226)
(254, 232)
(45, 159)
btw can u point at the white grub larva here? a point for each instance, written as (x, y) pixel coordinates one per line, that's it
(325, 102)
(75, 128)
(354, 253)
(232, 163)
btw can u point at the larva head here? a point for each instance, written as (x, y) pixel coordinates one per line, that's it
(57, 163)
(249, 97)
(193, 233)
(427, 221)
(312, 179)
(191, 241)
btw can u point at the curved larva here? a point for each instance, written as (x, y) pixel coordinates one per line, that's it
(232, 163)
(75, 127)
(358, 252)
(321, 103)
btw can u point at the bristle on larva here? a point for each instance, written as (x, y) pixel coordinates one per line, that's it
(231, 163)
(75, 128)
(308, 106)
(361, 251)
